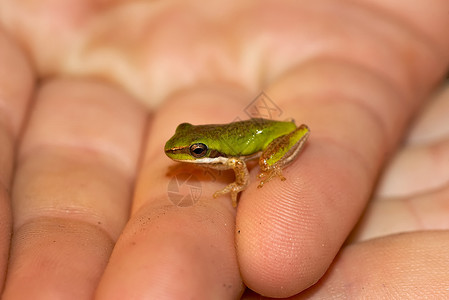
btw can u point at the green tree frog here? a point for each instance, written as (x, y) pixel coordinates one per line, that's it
(229, 146)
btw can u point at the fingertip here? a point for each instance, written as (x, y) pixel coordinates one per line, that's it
(168, 252)
(279, 255)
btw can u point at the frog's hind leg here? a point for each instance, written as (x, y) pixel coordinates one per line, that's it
(280, 152)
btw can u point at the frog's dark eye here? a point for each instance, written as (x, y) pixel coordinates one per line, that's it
(198, 150)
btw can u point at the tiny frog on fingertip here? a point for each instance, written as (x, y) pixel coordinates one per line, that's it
(229, 146)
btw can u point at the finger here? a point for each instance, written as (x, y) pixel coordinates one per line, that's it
(289, 232)
(413, 265)
(288, 236)
(16, 84)
(72, 188)
(172, 249)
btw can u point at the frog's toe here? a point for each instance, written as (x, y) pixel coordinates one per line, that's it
(234, 189)
(234, 198)
(222, 192)
(270, 174)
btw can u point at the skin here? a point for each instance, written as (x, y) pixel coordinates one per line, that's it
(356, 72)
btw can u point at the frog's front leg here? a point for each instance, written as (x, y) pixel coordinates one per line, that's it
(241, 179)
(280, 152)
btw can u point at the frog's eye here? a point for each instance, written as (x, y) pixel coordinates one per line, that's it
(198, 150)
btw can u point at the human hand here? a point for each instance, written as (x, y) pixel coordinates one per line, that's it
(329, 65)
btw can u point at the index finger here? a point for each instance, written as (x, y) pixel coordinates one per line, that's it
(356, 98)
(289, 233)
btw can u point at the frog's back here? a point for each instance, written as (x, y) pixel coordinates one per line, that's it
(246, 137)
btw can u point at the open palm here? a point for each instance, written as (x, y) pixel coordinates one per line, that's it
(90, 92)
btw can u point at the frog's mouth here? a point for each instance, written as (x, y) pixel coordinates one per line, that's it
(182, 151)
(177, 150)
(178, 153)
